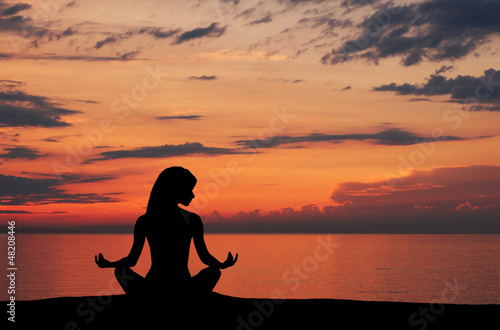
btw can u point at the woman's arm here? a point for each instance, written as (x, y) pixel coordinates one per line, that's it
(135, 252)
(201, 247)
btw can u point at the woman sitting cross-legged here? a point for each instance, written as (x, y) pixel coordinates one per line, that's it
(169, 230)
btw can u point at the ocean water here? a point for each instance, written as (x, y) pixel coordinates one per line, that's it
(463, 269)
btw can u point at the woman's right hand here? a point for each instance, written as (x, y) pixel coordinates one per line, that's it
(101, 261)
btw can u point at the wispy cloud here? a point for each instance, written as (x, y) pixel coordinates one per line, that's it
(12, 10)
(58, 57)
(392, 137)
(211, 31)
(203, 77)
(186, 117)
(20, 153)
(165, 151)
(266, 19)
(459, 88)
(431, 30)
(20, 109)
(19, 190)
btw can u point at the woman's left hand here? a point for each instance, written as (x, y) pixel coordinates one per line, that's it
(230, 261)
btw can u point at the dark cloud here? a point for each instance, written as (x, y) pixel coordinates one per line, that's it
(108, 40)
(350, 4)
(17, 190)
(155, 32)
(15, 212)
(88, 101)
(188, 117)
(56, 57)
(432, 30)
(212, 31)
(19, 109)
(129, 55)
(443, 69)
(20, 153)
(419, 99)
(28, 212)
(283, 80)
(164, 151)
(346, 88)
(246, 13)
(442, 200)
(446, 187)
(203, 77)
(484, 89)
(327, 21)
(392, 137)
(18, 23)
(15, 9)
(266, 19)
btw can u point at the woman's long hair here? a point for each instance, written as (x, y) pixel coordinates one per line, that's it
(167, 186)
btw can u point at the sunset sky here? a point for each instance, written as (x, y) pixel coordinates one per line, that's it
(294, 115)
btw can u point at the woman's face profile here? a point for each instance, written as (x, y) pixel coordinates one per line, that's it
(185, 195)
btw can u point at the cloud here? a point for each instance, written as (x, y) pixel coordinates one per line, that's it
(442, 187)
(443, 69)
(427, 201)
(18, 190)
(203, 77)
(108, 40)
(188, 117)
(467, 206)
(57, 57)
(20, 153)
(350, 4)
(128, 55)
(392, 137)
(432, 30)
(164, 151)
(212, 31)
(12, 10)
(19, 109)
(29, 212)
(18, 23)
(266, 19)
(155, 32)
(346, 88)
(485, 88)
(283, 80)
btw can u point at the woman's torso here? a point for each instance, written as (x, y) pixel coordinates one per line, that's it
(169, 236)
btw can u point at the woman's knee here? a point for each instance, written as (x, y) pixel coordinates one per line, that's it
(214, 272)
(124, 274)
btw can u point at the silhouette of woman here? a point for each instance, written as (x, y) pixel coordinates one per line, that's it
(169, 230)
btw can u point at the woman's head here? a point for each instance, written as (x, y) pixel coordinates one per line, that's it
(174, 185)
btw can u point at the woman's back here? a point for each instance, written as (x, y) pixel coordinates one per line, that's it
(169, 238)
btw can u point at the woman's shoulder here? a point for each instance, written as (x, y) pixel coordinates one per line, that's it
(189, 217)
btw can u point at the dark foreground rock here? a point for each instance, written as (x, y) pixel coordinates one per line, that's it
(223, 312)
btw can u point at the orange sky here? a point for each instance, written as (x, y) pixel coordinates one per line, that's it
(97, 97)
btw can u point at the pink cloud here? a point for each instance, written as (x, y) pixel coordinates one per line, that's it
(467, 206)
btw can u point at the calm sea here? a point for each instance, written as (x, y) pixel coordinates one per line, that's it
(413, 268)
